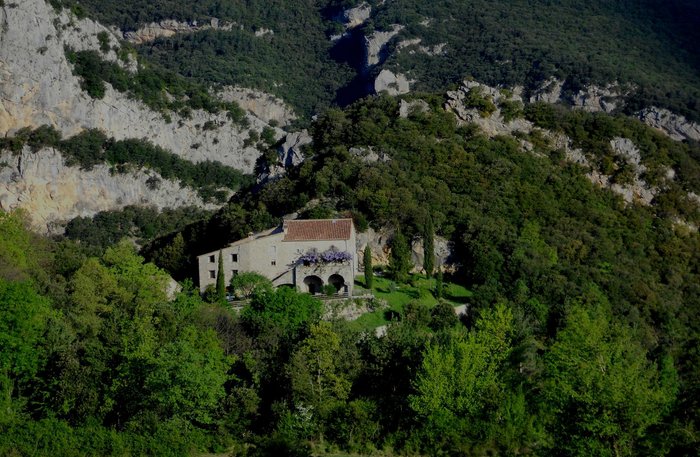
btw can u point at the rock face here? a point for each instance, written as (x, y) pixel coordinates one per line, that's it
(378, 242)
(493, 124)
(170, 27)
(290, 153)
(636, 191)
(37, 87)
(592, 99)
(356, 16)
(375, 44)
(611, 97)
(675, 126)
(51, 192)
(599, 99)
(393, 84)
(548, 92)
(415, 106)
(414, 46)
(264, 106)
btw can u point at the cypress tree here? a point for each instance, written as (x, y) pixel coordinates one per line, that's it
(221, 280)
(400, 258)
(439, 286)
(367, 261)
(429, 247)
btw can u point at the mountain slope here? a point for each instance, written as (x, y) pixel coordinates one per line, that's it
(648, 46)
(51, 64)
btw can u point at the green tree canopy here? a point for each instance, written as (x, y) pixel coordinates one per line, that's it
(23, 319)
(460, 381)
(603, 390)
(248, 283)
(293, 313)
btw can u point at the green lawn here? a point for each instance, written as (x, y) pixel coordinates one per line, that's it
(419, 289)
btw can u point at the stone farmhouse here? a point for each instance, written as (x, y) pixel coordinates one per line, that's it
(305, 254)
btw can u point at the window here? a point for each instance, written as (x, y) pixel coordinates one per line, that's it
(212, 274)
(234, 272)
(212, 258)
(234, 257)
(273, 263)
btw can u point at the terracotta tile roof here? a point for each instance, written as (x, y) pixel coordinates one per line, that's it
(317, 230)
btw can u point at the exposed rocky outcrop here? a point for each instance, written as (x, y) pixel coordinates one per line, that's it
(493, 124)
(356, 16)
(375, 44)
(592, 99)
(38, 87)
(673, 125)
(290, 151)
(414, 46)
(369, 155)
(548, 92)
(86, 34)
(391, 83)
(626, 149)
(378, 242)
(170, 27)
(264, 106)
(406, 108)
(289, 154)
(261, 32)
(52, 192)
(612, 97)
(634, 191)
(600, 99)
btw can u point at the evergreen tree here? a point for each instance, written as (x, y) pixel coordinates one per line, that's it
(220, 279)
(429, 247)
(439, 286)
(367, 262)
(400, 258)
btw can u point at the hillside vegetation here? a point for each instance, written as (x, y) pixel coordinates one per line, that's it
(647, 45)
(580, 336)
(581, 322)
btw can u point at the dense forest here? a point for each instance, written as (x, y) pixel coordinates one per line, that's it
(580, 330)
(507, 42)
(580, 338)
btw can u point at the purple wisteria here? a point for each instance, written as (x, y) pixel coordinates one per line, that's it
(332, 255)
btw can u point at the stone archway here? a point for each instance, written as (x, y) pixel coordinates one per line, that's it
(314, 284)
(338, 282)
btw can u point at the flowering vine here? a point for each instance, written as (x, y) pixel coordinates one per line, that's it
(332, 255)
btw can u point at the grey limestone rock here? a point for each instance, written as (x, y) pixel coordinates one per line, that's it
(393, 84)
(263, 105)
(37, 87)
(375, 44)
(52, 192)
(675, 126)
(290, 151)
(354, 17)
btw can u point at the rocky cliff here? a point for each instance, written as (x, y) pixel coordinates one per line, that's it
(493, 123)
(52, 192)
(38, 87)
(170, 27)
